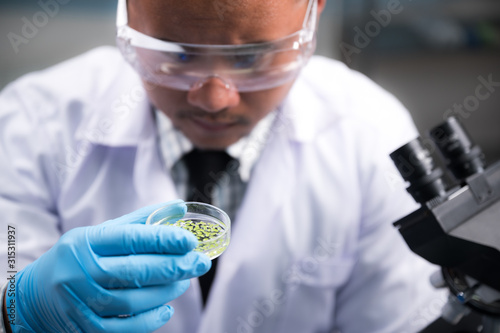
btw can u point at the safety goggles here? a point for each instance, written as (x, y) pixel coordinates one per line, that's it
(245, 67)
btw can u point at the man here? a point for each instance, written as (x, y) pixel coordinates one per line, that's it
(310, 193)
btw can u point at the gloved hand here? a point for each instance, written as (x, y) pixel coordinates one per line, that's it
(114, 277)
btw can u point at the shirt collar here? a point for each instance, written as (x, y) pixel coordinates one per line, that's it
(174, 144)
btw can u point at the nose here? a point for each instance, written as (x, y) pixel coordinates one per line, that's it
(213, 94)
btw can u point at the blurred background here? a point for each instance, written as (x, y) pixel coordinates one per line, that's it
(439, 57)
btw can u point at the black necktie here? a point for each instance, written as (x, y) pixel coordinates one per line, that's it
(205, 167)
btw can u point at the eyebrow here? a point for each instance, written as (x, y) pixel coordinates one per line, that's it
(122, 20)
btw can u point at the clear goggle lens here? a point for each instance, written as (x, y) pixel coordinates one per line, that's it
(247, 67)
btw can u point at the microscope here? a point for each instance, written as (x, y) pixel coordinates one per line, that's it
(457, 226)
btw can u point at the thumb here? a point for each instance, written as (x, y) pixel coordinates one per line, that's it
(177, 208)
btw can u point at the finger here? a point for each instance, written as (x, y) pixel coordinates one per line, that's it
(145, 322)
(148, 321)
(175, 207)
(135, 271)
(136, 238)
(167, 214)
(122, 302)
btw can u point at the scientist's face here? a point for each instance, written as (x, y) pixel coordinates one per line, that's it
(213, 116)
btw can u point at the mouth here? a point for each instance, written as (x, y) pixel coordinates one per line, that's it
(212, 125)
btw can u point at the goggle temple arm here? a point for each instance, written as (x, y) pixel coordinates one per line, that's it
(122, 14)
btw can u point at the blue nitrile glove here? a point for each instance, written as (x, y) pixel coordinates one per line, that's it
(114, 277)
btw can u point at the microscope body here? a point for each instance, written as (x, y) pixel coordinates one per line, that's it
(458, 225)
(462, 229)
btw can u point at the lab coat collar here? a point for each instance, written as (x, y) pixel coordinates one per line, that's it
(305, 111)
(124, 116)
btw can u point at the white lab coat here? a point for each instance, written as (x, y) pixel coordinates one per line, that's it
(313, 249)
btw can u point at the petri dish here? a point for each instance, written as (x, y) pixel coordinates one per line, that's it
(210, 225)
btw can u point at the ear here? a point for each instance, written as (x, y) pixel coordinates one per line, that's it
(321, 5)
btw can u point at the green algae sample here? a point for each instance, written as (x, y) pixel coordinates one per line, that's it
(212, 238)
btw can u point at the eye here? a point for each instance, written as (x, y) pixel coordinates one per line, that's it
(245, 60)
(172, 62)
(183, 57)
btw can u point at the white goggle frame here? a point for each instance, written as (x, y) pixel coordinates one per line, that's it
(246, 67)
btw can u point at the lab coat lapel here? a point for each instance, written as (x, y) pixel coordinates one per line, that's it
(153, 185)
(150, 178)
(270, 186)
